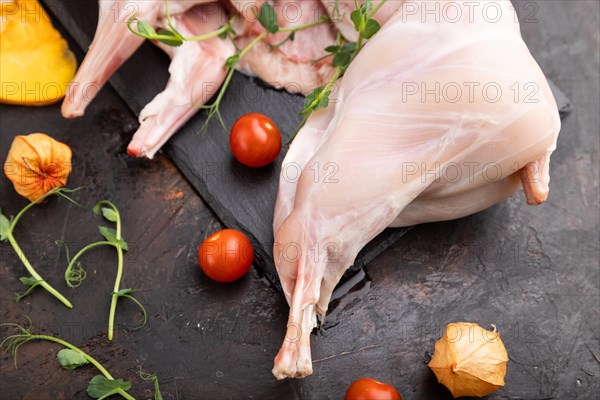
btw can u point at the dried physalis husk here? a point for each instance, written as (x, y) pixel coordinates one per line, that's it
(36, 164)
(469, 360)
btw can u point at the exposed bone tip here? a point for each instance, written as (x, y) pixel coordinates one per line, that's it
(282, 373)
(278, 374)
(139, 152)
(70, 113)
(536, 199)
(133, 152)
(70, 108)
(534, 185)
(292, 361)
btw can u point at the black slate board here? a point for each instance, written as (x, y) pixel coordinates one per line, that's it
(243, 198)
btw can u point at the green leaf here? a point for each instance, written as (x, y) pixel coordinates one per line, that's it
(123, 292)
(124, 245)
(4, 226)
(356, 18)
(109, 214)
(29, 281)
(172, 38)
(371, 28)
(342, 59)
(349, 47)
(102, 387)
(231, 61)
(309, 102)
(111, 236)
(324, 101)
(312, 96)
(71, 359)
(97, 209)
(268, 18)
(145, 29)
(342, 54)
(228, 30)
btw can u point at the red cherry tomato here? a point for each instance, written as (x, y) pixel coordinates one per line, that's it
(226, 256)
(370, 389)
(255, 141)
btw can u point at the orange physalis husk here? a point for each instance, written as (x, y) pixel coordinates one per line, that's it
(469, 360)
(36, 164)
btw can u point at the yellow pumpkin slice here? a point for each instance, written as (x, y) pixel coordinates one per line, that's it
(36, 64)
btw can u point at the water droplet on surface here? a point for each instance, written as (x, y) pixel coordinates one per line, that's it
(220, 374)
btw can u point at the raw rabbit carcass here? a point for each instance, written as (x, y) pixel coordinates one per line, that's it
(435, 119)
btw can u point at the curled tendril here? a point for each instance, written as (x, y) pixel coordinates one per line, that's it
(74, 274)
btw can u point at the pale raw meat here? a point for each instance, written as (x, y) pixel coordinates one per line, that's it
(401, 156)
(113, 44)
(197, 71)
(290, 66)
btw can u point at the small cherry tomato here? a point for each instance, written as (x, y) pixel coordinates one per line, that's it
(255, 140)
(370, 389)
(226, 256)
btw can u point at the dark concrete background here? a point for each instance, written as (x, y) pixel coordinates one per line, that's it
(532, 271)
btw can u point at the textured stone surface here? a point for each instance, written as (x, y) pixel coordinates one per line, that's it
(532, 271)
